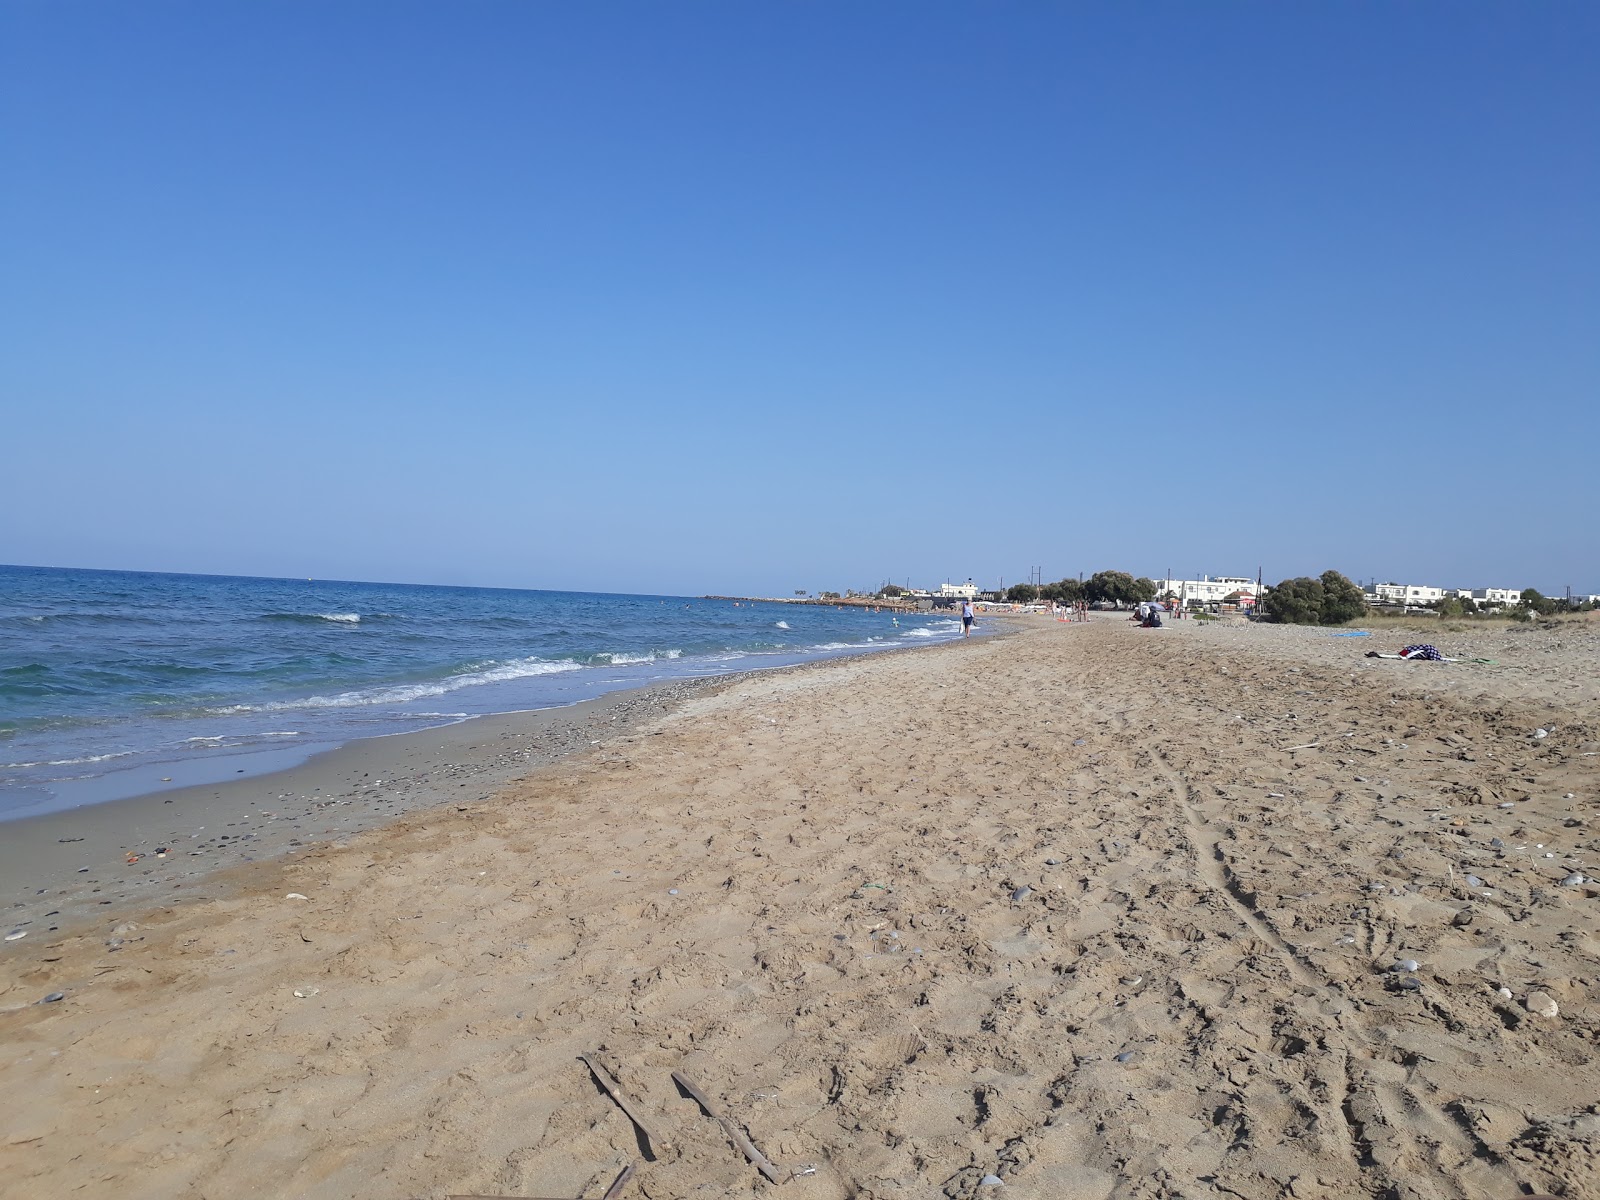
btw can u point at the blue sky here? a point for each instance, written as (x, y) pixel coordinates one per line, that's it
(754, 297)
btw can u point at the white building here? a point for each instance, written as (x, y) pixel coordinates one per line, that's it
(1496, 595)
(1406, 593)
(958, 591)
(1210, 589)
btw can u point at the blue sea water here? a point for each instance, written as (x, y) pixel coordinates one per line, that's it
(108, 679)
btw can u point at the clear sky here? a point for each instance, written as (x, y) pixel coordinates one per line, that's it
(750, 297)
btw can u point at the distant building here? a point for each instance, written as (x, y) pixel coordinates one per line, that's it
(958, 591)
(1406, 593)
(1496, 595)
(1209, 589)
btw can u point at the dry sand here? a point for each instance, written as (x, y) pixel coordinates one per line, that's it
(805, 891)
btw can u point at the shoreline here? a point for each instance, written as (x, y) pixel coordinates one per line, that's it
(70, 863)
(65, 867)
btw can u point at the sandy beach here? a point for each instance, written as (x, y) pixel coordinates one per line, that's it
(1087, 910)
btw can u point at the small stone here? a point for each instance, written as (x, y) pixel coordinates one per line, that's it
(1504, 993)
(1125, 1056)
(16, 935)
(991, 1181)
(53, 997)
(1574, 880)
(1474, 882)
(1021, 894)
(1542, 1004)
(1462, 918)
(1052, 862)
(1541, 733)
(1406, 964)
(672, 891)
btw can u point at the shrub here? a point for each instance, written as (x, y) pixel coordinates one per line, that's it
(1330, 600)
(1295, 601)
(1342, 600)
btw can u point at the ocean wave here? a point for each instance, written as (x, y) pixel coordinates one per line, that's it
(622, 658)
(783, 624)
(840, 646)
(78, 618)
(337, 618)
(66, 762)
(524, 668)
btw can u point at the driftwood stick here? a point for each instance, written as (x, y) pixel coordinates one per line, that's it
(736, 1135)
(614, 1090)
(620, 1182)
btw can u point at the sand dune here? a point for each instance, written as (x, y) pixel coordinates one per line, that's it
(1098, 911)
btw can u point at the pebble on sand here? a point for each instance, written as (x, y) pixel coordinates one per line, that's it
(1542, 1004)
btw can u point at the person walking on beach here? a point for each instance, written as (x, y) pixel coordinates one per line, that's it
(968, 615)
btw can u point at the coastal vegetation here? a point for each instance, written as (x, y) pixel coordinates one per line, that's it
(1114, 587)
(1331, 599)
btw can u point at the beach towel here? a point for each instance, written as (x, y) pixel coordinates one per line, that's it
(1425, 652)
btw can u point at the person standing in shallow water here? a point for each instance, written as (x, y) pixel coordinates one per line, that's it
(968, 615)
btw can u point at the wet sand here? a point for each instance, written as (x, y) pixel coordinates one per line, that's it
(61, 867)
(1094, 911)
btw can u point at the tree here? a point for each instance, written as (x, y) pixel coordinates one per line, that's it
(1534, 601)
(891, 590)
(1022, 593)
(1145, 589)
(1330, 600)
(1342, 600)
(1118, 587)
(1065, 591)
(1295, 601)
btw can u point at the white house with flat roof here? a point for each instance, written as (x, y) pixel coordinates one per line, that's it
(1496, 595)
(958, 591)
(1209, 589)
(1406, 593)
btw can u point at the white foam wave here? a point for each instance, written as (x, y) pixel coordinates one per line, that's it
(841, 645)
(783, 624)
(347, 618)
(66, 762)
(918, 633)
(523, 668)
(673, 654)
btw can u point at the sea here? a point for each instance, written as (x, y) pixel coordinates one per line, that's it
(119, 683)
